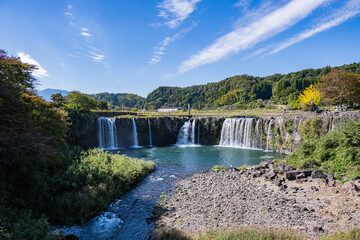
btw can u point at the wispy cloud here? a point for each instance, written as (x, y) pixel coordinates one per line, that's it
(176, 11)
(159, 50)
(62, 65)
(245, 37)
(86, 46)
(86, 34)
(350, 9)
(39, 72)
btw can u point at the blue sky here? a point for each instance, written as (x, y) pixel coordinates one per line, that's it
(135, 46)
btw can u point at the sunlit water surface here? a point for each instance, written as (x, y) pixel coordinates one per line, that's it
(126, 218)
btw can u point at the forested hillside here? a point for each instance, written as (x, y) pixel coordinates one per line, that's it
(121, 99)
(243, 91)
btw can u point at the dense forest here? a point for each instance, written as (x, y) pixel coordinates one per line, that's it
(242, 91)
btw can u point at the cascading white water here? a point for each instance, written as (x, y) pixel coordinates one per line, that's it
(198, 132)
(150, 138)
(268, 134)
(136, 144)
(187, 133)
(258, 128)
(107, 133)
(240, 132)
(193, 132)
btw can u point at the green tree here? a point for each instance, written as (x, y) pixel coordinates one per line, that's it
(81, 102)
(103, 105)
(58, 99)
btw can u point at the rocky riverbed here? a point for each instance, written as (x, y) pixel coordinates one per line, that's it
(262, 195)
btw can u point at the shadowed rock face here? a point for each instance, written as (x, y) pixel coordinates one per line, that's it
(285, 135)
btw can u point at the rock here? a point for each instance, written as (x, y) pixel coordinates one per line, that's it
(318, 174)
(291, 175)
(271, 166)
(330, 177)
(278, 181)
(256, 174)
(300, 176)
(281, 168)
(356, 178)
(270, 175)
(288, 168)
(318, 229)
(307, 172)
(265, 165)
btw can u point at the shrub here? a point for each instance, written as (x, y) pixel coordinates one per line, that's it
(336, 152)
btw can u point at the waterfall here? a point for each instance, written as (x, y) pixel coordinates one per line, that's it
(107, 133)
(268, 134)
(193, 132)
(199, 132)
(150, 138)
(136, 144)
(187, 133)
(240, 132)
(258, 132)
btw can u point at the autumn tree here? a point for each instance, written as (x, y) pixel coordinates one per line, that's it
(310, 98)
(340, 87)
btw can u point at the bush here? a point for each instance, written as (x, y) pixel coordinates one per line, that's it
(93, 182)
(337, 152)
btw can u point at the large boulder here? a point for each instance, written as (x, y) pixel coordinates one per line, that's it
(318, 174)
(270, 175)
(291, 175)
(307, 172)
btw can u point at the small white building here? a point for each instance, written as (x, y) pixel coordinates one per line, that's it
(169, 109)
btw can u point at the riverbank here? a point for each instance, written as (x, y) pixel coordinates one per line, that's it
(261, 197)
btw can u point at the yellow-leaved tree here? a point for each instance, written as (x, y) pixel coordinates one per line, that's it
(310, 98)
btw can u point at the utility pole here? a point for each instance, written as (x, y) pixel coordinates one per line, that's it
(189, 108)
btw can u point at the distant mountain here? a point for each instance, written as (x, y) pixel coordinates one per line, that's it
(46, 93)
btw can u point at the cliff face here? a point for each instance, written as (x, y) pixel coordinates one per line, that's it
(164, 131)
(285, 136)
(289, 132)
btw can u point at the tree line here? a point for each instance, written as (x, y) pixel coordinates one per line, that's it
(242, 91)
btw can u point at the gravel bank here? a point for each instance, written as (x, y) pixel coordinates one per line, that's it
(220, 200)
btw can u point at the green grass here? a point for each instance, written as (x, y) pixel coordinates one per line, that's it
(250, 233)
(220, 168)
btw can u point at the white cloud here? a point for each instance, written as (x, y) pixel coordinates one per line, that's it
(86, 34)
(245, 37)
(159, 50)
(84, 29)
(351, 9)
(176, 11)
(62, 65)
(39, 72)
(69, 7)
